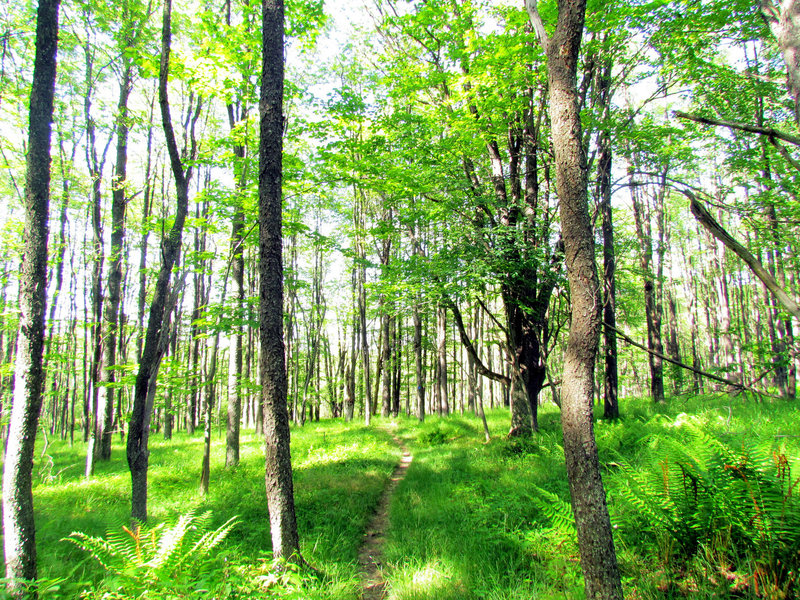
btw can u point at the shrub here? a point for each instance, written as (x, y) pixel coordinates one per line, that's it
(730, 510)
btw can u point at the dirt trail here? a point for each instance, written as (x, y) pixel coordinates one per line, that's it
(370, 555)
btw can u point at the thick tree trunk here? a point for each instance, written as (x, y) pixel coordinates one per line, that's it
(595, 541)
(19, 538)
(280, 492)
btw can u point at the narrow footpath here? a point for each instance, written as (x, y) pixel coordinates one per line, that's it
(370, 555)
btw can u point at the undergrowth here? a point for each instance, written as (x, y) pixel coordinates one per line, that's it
(703, 496)
(339, 472)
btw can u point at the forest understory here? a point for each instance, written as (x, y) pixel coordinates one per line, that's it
(703, 496)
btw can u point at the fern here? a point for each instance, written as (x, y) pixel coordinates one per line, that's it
(731, 501)
(143, 558)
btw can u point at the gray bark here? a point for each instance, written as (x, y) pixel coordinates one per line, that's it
(278, 477)
(19, 539)
(595, 541)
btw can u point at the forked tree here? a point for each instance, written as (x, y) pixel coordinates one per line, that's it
(139, 429)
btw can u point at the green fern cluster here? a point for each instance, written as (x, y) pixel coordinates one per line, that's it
(730, 503)
(160, 561)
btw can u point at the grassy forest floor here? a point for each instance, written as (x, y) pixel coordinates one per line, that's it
(703, 494)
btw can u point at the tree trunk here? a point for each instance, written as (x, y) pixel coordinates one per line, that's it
(19, 539)
(641, 215)
(610, 381)
(105, 401)
(278, 477)
(595, 541)
(139, 428)
(443, 406)
(237, 270)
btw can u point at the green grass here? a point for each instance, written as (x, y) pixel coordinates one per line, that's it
(475, 520)
(471, 520)
(340, 471)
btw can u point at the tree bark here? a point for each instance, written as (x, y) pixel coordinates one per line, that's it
(595, 541)
(19, 539)
(280, 492)
(139, 428)
(641, 213)
(237, 270)
(781, 17)
(105, 402)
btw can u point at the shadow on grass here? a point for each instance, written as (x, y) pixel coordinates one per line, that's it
(340, 471)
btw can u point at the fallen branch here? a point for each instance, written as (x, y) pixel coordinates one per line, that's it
(706, 220)
(733, 384)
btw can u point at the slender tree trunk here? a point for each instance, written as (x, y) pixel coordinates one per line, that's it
(443, 406)
(280, 492)
(641, 215)
(105, 403)
(610, 381)
(210, 402)
(595, 541)
(19, 537)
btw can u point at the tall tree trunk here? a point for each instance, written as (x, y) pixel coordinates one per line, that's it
(19, 539)
(280, 492)
(237, 270)
(95, 167)
(595, 541)
(147, 203)
(443, 406)
(105, 402)
(641, 213)
(610, 381)
(139, 428)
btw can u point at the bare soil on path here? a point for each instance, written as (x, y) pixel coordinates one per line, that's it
(370, 555)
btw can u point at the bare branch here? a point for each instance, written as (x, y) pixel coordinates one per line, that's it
(468, 345)
(768, 131)
(706, 220)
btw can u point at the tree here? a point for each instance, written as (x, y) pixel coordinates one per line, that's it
(153, 351)
(272, 366)
(595, 541)
(19, 539)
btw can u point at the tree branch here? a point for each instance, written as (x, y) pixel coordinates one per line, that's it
(536, 21)
(734, 384)
(768, 131)
(470, 348)
(706, 220)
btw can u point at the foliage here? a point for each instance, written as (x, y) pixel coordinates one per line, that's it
(340, 470)
(726, 508)
(160, 561)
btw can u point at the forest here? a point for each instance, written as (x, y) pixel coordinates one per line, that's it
(428, 299)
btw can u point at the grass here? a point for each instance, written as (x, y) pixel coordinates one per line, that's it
(475, 520)
(340, 470)
(471, 520)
